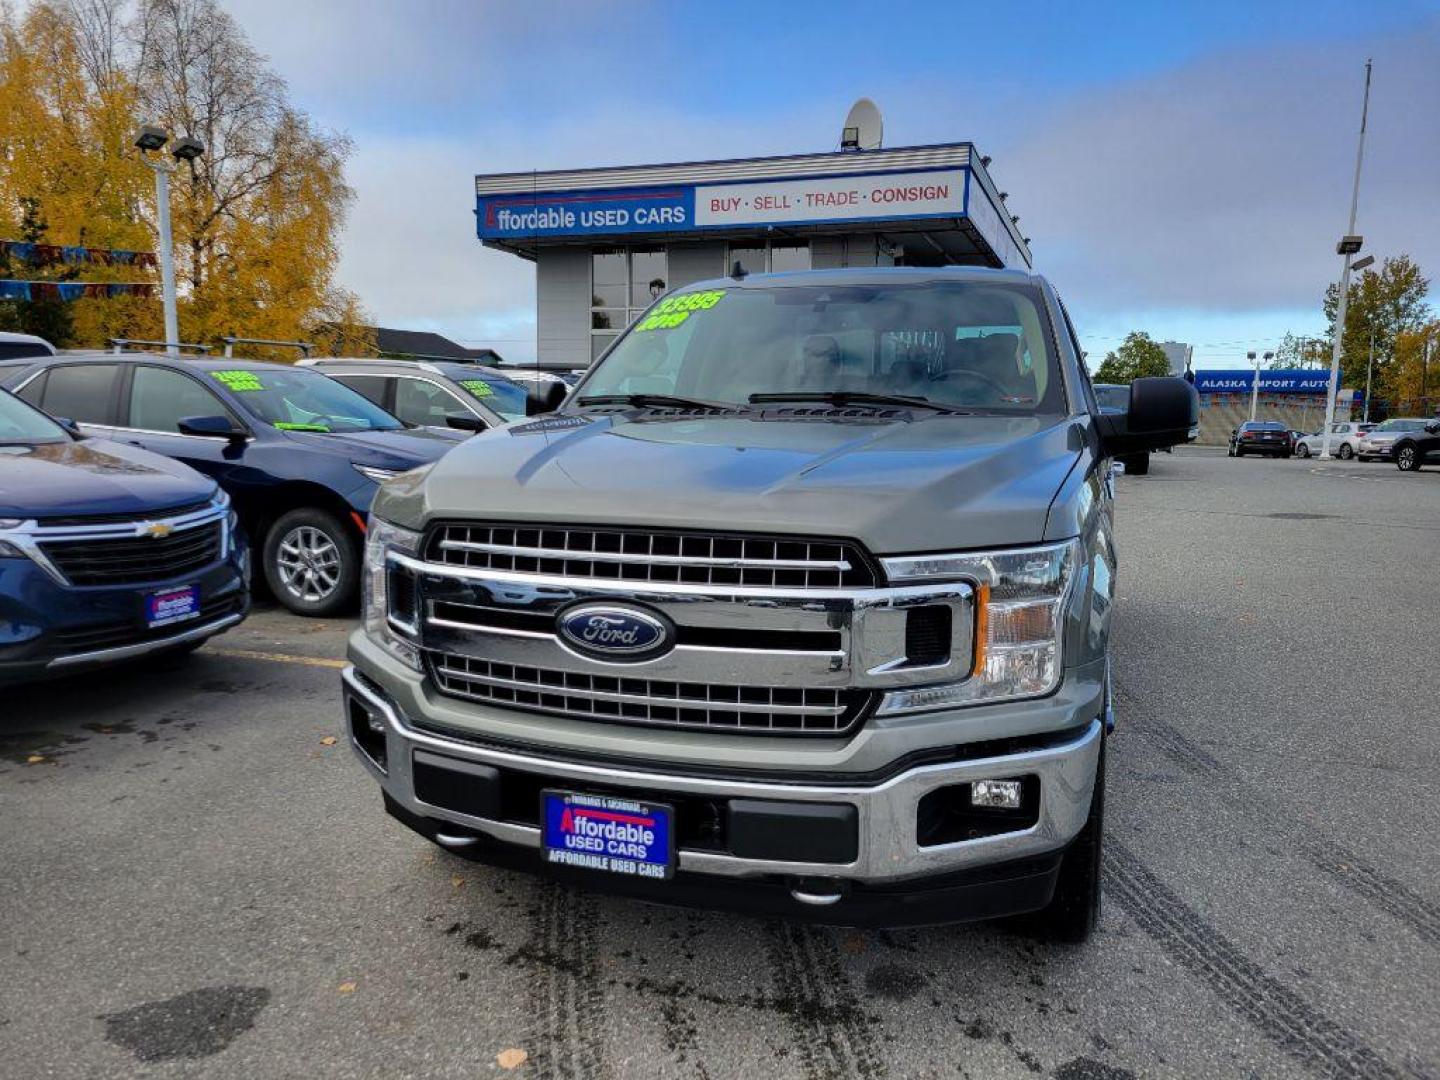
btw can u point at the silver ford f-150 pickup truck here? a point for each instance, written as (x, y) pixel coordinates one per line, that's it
(800, 604)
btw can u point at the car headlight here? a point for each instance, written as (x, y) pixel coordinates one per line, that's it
(388, 599)
(371, 472)
(1020, 598)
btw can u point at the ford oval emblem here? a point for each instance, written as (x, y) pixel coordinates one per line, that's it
(612, 632)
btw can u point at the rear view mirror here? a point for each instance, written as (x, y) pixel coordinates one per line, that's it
(544, 398)
(1162, 412)
(464, 421)
(211, 427)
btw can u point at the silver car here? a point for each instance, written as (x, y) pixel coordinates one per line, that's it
(1344, 441)
(1379, 442)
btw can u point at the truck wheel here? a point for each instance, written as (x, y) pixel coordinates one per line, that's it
(1136, 464)
(1074, 911)
(312, 562)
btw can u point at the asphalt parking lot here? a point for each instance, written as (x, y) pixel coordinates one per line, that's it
(199, 881)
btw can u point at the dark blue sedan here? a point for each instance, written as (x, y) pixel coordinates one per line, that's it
(301, 455)
(107, 552)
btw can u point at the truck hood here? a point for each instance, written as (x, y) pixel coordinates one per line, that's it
(923, 483)
(93, 477)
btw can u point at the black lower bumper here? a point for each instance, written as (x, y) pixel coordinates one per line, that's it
(988, 892)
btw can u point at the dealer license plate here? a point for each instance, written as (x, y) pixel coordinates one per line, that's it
(609, 834)
(172, 606)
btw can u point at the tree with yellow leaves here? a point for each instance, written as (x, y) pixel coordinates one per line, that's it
(256, 219)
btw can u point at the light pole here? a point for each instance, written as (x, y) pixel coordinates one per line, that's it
(1349, 245)
(151, 137)
(1255, 385)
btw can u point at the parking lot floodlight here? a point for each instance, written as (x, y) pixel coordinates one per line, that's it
(151, 137)
(1349, 245)
(187, 149)
(1361, 264)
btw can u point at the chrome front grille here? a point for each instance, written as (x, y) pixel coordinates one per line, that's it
(648, 555)
(663, 703)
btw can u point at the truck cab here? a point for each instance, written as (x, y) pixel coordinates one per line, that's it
(801, 604)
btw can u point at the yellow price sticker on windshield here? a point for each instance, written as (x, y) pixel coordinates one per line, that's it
(478, 387)
(674, 310)
(239, 380)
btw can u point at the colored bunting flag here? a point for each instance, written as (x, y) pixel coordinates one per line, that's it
(72, 255)
(72, 290)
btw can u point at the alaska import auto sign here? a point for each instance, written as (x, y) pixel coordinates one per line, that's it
(685, 207)
(1240, 381)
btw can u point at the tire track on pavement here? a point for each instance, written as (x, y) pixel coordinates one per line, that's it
(567, 1002)
(834, 1035)
(1393, 897)
(1279, 1013)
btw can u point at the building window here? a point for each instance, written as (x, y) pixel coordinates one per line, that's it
(623, 282)
(771, 257)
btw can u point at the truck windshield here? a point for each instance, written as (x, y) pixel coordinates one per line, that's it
(294, 400)
(20, 423)
(963, 345)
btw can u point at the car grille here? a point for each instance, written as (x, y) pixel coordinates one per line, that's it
(117, 634)
(128, 560)
(700, 559)
(660, 703)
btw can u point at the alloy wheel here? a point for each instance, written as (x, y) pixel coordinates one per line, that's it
(308, 562)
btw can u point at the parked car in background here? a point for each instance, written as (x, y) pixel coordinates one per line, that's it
(107, 552)
(1379, 442)
(1415, 448)
(20, 346)
(1260, 437)
(547, 387)
(301, 455)
(1345, 441)
(468, 397)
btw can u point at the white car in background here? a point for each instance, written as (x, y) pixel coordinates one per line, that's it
(1344, 441)
(1379, 443)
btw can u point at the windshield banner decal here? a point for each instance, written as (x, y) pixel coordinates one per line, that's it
(674, 310)
(239, 381)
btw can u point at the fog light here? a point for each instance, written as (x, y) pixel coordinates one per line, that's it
(997, 794)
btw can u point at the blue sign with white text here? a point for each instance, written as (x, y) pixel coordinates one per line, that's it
(1292, 381)
(570, 213)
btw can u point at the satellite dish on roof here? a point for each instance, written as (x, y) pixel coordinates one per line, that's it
(863, 128)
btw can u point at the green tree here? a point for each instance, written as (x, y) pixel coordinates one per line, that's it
(1388, 302)
(1137, 357)
(1301, 352)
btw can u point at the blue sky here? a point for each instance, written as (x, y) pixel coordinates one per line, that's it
(1182, 168)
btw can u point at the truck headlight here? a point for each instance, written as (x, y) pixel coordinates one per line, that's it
(387, 627)
(1020, 598)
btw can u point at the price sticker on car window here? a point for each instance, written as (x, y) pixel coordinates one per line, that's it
(478, 387)
(239, 381)
(675, 310)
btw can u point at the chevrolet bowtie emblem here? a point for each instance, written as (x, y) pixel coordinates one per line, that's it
(158, 530)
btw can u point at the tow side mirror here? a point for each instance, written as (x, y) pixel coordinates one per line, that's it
(211, 427)
(1162, 412)
(464, 421)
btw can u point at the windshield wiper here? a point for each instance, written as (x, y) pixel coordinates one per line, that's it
(654, 401)
(856, 397)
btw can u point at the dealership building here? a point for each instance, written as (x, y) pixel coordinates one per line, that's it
(606, 241)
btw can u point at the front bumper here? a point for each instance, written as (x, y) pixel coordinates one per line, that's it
(49, 629)
(888, 861)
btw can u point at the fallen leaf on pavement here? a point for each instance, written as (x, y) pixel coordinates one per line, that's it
(346, 988)
(458, 882)
(34, 759)
(511, 1059)
(328, 740)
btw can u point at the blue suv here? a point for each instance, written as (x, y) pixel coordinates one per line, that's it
(301, 455)
(107, 552)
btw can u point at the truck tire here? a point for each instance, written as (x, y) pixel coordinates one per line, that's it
(1074, 910)
(1136, 464)
(312, 562)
